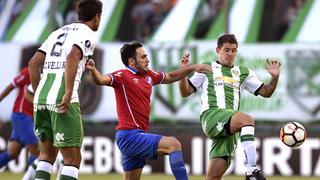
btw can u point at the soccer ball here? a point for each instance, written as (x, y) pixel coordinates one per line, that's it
(293, 134)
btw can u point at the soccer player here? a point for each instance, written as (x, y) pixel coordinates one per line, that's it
(133, 86)
(22, 124)
(220, 117)
(57, 115)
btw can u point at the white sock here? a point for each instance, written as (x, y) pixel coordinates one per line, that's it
(251, 155)
(70, 171)
(31, 171)
(249, 147)
(30, 174)
(45, 167)
(60, 169)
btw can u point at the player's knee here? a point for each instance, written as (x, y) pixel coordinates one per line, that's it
(14, 153)
(47, 157)
(72, 158)
(175, 145)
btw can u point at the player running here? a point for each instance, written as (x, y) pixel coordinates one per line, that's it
(22, 134)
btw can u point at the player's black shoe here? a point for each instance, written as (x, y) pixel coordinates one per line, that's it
(256, 175)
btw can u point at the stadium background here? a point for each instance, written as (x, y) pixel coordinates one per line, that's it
(170, 28)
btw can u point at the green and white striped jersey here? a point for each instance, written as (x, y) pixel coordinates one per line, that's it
(222, 88)
(51, 87)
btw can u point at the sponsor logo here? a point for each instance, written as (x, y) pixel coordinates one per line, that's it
(50, 107)
(135, 80)
(54, 65)
(227, 81)
(118, 74)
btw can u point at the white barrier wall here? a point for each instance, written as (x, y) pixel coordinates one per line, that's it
(296, 98)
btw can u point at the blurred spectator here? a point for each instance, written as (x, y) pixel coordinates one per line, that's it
(294, 10)
(287, 13)
(19, 6)
(55, 15)
(207, 15)
(139, 14)
(71, 13)
(148, 15)
(167, 5)
(154, 18)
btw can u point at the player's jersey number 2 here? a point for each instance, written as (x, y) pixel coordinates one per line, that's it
(57, 47)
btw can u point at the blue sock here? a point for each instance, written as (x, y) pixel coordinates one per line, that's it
(4, 158)
(177, 165)
(31, 159)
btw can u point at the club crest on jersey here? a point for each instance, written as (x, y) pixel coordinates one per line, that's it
(149, 80)
(235, 72)
(87, 43)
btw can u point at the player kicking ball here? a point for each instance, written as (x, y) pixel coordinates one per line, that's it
(220, 117)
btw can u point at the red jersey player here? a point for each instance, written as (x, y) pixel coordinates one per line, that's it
(133, 87)
(22, 122)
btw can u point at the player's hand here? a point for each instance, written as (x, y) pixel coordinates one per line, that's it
(184, 60)
(273, 67)
(90, 65)
(63, 107)
(203, 68)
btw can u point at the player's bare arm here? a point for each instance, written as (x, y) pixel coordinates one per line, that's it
(98, 78)
(6, 91)
(184, 86)
(34, 66)
(178, 74)
(72, 62)
(273, 68)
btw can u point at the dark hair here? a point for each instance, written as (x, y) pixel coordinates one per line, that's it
(129, 51)
(87, 9)
(227, 38)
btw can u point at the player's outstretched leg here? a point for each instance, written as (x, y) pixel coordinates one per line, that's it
(4, 158)
(178, 166)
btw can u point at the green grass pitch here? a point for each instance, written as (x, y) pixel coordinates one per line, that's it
(11, 176)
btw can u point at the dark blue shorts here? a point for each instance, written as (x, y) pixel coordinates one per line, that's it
(136, 146)
(23, 129)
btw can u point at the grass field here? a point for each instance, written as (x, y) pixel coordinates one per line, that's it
(11, 176)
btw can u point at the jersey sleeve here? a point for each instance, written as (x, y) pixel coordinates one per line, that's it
(252, 83)
(157, 77)
(197, 80)
(44, 46)
(22, 78)
(116, 78)
(86, 42)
